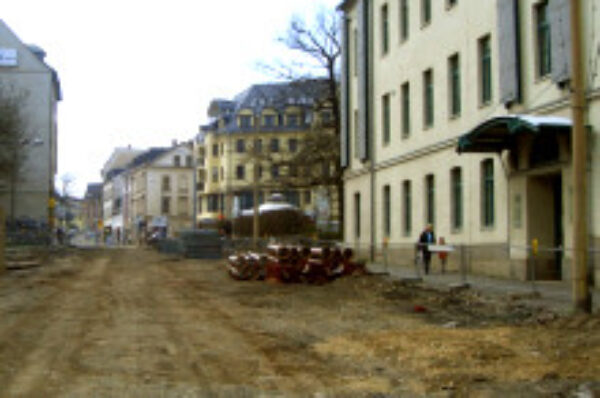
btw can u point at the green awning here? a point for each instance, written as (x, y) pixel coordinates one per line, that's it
(499, 133)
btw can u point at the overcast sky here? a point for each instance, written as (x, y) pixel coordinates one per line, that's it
(142, 72)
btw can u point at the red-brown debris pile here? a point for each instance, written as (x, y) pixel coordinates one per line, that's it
(293, 264)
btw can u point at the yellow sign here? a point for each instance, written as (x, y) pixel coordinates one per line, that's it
(51, 203)
(535, 247)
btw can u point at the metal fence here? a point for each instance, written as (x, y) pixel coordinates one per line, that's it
(28, 236)
(491, 260)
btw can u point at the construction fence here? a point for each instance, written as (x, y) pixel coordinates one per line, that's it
(494, 260)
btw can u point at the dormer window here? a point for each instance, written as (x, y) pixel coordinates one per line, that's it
(293, 120)
(177, 161)
(269, 120)
(245, 121)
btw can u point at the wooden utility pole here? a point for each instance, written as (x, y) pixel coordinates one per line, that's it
(582, 298)
(2, 240)
(255, 213)
(194, 188)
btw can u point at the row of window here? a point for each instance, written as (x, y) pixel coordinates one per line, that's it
(182, 206)
(182, 183)
(454, 93)
(404, 20)
(256, 146)
(177, 161)
(218, 173)
(269, 120)
(274, 120)
(543, 68)
(456, 200)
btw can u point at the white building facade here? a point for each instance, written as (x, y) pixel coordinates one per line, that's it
(115, 191)
(160, 183)
(24, 73)
(424, 80)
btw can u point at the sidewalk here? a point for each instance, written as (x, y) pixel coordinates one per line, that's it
(555, 295)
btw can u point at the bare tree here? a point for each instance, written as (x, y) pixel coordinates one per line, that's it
(13, 138)
(67, 180)
(320, 43)
(319, 48)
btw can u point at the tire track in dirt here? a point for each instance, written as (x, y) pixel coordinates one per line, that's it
(50, 284)
(43, 358)
(139, 350)
(264, 365)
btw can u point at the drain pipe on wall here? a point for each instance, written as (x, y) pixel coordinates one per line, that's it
(370, 78)
(505, 162)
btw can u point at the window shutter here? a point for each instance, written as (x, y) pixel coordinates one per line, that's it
(345, 100)
(508, 49)
(363, 79)
(560, 39)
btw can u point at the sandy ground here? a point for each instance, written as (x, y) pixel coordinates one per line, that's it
(132, 323)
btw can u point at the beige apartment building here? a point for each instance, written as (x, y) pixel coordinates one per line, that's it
(25, 74)
(92, 208)
(456, 113)
(258, 132)
(114, 191)
(160, 191)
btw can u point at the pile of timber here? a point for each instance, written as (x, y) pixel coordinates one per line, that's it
(293, 264)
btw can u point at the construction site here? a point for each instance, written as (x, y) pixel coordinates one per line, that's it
(137, 323)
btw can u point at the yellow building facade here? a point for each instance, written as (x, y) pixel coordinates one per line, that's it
(251, 141)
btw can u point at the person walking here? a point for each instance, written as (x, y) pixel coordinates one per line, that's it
(427, 237)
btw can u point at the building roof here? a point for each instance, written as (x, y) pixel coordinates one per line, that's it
(40, 55)
(220, 106)
(148, 156)
(118, 160)
(155, 153)
(93, 190)
(281, 95)
(305, 94)
(114, 172)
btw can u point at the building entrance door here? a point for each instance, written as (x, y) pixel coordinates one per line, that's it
(557, 189)
(545, 220)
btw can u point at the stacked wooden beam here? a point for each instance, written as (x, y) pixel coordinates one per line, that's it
(295, 264)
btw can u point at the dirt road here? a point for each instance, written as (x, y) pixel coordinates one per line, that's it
(131, 323)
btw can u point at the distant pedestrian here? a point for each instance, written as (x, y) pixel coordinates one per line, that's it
(427, 238)
(60, 235)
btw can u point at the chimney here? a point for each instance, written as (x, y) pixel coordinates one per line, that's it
(173, 143)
